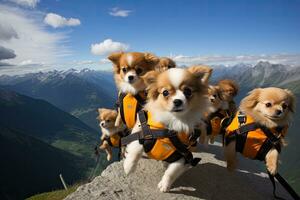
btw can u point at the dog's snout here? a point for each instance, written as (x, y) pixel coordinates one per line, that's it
(102, 123)
(278, 112)
(177, 102)
(130, 78)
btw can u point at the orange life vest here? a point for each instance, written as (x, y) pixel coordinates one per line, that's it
(214, 122)
(163, 148)
(163, 144)
(129, 106)
(114, 140)
(253, 142)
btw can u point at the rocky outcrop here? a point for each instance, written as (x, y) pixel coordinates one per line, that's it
(208, 180)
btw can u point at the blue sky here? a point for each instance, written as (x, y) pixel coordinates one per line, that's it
(203, 31)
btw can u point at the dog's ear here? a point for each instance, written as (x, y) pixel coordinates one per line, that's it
(251, 100)
(201, 72)
(151, 58)
(292, 100)
(115, 58)
(150, 77)
(100, 110)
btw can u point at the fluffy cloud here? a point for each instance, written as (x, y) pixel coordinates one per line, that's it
(118, 12)
(6, 53)
(290, 59)
(26, 3)
(7, 32)
(28, 37)
(108, 46)
(57, 21)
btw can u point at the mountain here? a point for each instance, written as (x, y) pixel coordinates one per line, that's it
(30, 166)
(44, 121)
(79, 93)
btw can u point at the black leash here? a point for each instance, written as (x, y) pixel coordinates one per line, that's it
(285, 184)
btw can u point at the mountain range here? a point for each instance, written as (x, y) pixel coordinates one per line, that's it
(79, 93)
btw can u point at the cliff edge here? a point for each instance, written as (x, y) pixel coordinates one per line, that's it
(208, 180)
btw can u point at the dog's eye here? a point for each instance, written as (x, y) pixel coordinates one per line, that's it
(107, 120)
(268, 105)
(165, 93)
(124, 69)
(139, 70)
(215, 95)
(284, 106)
(187, 92)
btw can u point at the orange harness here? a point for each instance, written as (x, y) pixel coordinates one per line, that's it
(160, 143)
(114, 140)
(129, 106)
(214, 122)
(253, 140)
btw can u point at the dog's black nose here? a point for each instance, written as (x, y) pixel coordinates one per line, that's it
(278, 112)
(102, 124)
(177, 102)
(130, 78)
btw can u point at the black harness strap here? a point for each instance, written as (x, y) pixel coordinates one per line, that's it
(286, 186)
(121, 106)
(181, 148)
(148, 134)
(272, 179)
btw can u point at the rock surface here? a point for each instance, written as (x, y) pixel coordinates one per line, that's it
(208, 180)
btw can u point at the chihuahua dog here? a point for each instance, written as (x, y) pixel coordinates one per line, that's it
(229, 89)
(173, 103)
(165, 64)
(128, 69)
(111, 135)
(269, 112)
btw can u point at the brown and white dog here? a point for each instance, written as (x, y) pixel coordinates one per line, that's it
(215, 103)
(228, 89)
(173, 99)
(272, 108)
(128, 69)
(165, 64)
(107, 118)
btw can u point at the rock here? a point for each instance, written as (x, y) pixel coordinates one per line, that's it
(208, 180)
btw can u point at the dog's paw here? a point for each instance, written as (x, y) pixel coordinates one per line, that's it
(272, 169)
(128, 167)
(164, 185)
(231, 166)
(108, 157)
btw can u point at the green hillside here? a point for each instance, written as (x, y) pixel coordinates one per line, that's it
(42, 120)
(30, 166)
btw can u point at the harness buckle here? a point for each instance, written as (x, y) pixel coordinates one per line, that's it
(241, 118)
(148, 136)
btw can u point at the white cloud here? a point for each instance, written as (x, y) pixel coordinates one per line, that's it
(57, 21)
(26, 62)
(108, 46)
(26, 3)
(118, 12)
(290, 59)
(31, 41)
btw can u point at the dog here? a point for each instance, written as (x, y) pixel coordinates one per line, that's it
(165, 64)
(173, 106)
(111, 135)
(212, 119)
(270, 109)
(128, 69)
(229, 89)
